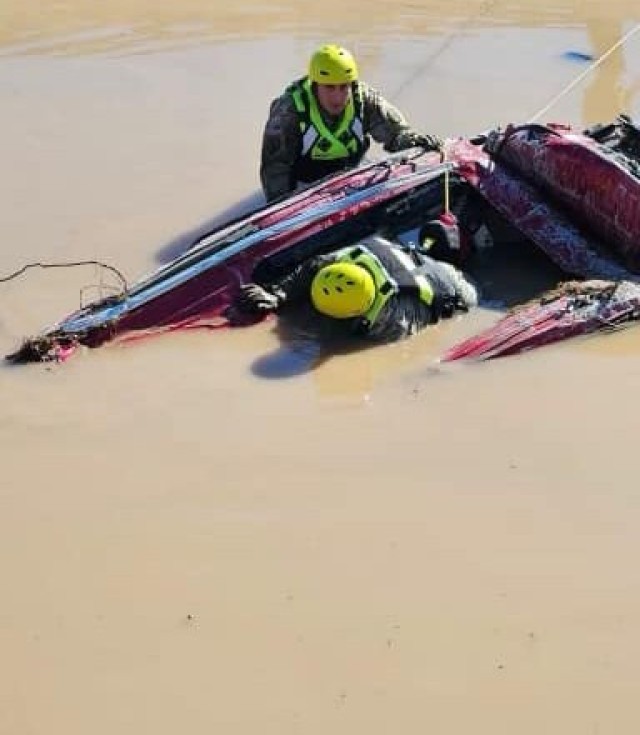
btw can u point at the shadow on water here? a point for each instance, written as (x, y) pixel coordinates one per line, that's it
(186, 240)
(303, 347)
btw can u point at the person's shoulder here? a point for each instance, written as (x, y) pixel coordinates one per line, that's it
(282, 104)
(364, 87)
(370, 95)
(379, 240)
(285, 98)
(368, 89)
(282, 114)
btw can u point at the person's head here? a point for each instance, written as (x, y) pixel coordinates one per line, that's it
(332, 70)
(343, 290)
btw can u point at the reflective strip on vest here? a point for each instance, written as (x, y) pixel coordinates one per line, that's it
(358, 129)
(425, 288)
(309, 139)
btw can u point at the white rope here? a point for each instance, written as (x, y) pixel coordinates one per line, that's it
(447, 193)
(580, 77)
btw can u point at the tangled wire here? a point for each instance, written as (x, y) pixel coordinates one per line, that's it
(71, 264)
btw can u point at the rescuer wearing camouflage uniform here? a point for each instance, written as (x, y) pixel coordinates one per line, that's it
(323, 124)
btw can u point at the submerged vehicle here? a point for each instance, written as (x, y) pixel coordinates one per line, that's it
(573, 309)
(196, 289)
(574, 195)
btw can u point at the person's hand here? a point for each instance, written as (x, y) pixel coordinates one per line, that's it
(427, 141)
(256, 299)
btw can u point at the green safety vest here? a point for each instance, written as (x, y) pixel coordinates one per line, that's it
(324, 151)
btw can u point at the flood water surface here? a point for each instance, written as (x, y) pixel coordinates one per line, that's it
(223, 532)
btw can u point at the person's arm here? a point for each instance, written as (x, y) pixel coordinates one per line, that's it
(280, 149)
(294, 287)
(388, 126)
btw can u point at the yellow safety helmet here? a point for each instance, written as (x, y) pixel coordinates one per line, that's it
(343, 290)
(332, 64)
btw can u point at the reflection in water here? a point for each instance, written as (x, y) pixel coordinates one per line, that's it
(138, 25)
(620, 343)
(350, 374)
(610, 89)
(339, 368)
(76, 27)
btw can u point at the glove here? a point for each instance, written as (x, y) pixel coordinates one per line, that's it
(255, 299)
(427, 141)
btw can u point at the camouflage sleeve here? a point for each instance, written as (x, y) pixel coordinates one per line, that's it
(280, 149)
(385, 123)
